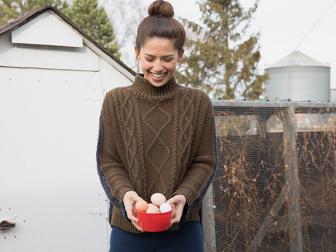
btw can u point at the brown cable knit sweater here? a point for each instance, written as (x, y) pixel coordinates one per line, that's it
(155, 139)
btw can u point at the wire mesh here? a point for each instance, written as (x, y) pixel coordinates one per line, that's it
(252, 189)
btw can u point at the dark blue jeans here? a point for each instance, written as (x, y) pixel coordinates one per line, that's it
(187, 238)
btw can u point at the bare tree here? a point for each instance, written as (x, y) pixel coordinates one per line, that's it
(125, 16)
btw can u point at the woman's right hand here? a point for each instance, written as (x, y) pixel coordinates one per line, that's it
(130, 199)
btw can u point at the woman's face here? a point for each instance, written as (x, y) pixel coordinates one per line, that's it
(158, 59)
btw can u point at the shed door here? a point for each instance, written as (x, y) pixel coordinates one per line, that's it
(48, 136)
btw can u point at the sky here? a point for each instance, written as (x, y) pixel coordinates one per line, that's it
(283, 25)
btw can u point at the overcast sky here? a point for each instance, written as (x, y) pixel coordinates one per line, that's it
(283, 24)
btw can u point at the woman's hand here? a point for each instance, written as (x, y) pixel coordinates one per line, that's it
(130, 199)
(178, 202)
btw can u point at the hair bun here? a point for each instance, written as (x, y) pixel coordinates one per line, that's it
(161, 8)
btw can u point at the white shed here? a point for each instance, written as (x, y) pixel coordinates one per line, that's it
(52, 82)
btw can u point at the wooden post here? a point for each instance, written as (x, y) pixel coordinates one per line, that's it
(276, 207)
(208, 221)
(292, 179)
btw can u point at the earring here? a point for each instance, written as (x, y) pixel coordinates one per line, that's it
(138, 67)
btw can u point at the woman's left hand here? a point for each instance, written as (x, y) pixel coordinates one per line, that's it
(178, 202)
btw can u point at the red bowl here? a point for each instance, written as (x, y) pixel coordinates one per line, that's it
(154, 222)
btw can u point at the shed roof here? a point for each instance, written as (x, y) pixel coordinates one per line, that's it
(25, 18)
(297, 58)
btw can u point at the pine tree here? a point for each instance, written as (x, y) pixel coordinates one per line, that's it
(9, 10)
(223, 59)
(93, 20)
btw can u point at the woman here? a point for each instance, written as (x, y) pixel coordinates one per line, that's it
(156, 136)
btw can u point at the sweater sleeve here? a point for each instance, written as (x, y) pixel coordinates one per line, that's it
(201, 171)
(112, 173)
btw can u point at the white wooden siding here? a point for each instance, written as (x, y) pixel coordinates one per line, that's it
(49, 129)
(47, 57)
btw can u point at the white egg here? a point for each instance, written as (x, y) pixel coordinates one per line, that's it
(165, 207)
(158, 198)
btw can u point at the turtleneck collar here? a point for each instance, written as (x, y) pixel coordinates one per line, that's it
(143, 87)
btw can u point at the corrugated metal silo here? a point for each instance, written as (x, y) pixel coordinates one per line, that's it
(298, 77)
(333, 95)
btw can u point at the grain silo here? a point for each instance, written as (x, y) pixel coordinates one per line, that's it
(298, 77)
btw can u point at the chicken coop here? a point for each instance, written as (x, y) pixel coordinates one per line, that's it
(275, 178)
(53, 79)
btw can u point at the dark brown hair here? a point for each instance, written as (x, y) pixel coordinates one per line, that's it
(160, 23)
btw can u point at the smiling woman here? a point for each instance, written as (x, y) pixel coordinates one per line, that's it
(156, 136)
(158, 59)
(159, 43)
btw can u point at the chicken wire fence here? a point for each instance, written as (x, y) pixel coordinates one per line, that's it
(275, 183)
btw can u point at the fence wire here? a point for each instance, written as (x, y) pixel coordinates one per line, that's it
(254, 193)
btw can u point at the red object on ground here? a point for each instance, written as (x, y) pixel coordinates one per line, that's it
(154, 222)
